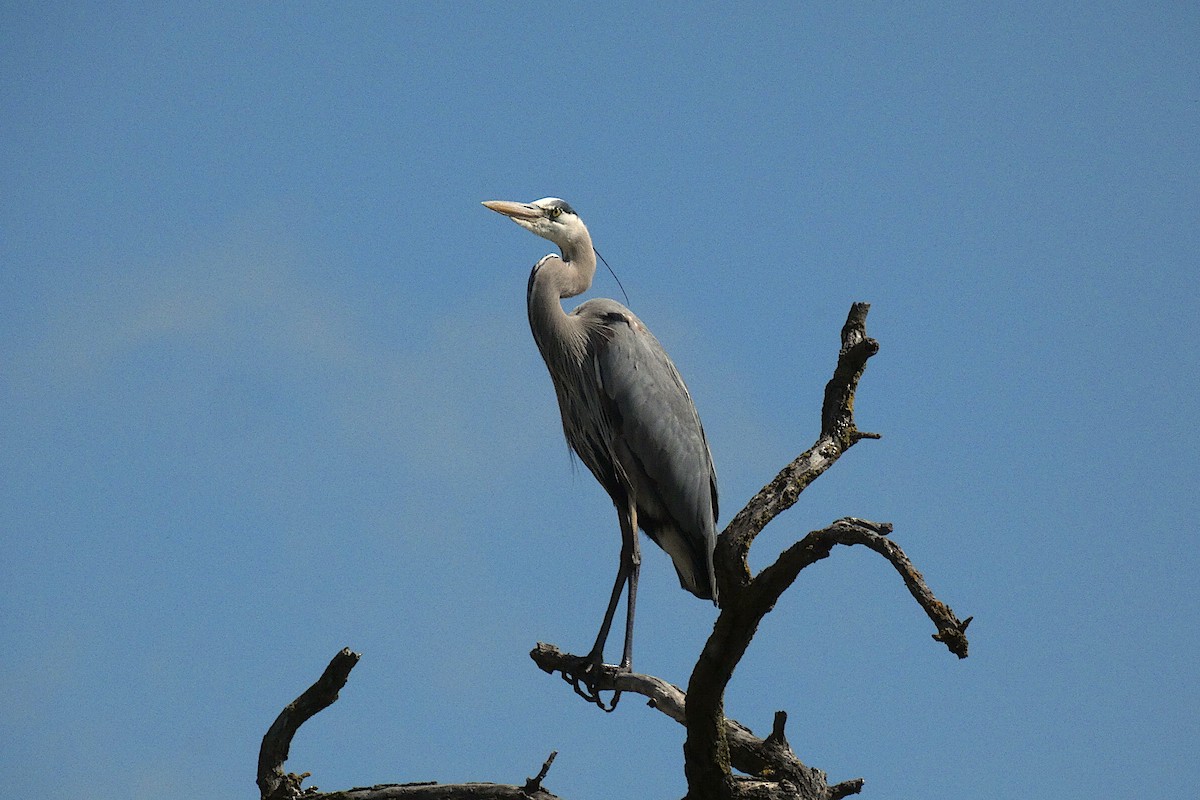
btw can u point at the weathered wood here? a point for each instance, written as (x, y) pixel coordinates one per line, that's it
(748, 753)
(274, 784)
(746, 599)
(838, 434)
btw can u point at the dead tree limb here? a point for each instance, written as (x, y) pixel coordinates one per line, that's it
(748, 753)
(746, 599)
(838, 434)
(274, 784)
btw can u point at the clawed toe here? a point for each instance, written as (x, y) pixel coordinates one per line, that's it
(584, 676)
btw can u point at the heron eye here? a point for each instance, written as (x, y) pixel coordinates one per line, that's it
(555, 212)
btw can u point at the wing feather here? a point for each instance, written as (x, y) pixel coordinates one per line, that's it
(657, 440)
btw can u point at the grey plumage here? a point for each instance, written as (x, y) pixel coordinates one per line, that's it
(625, 411)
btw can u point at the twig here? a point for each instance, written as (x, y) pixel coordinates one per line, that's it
(535, 783)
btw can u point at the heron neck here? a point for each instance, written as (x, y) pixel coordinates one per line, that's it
(557, 333)
(579, 264)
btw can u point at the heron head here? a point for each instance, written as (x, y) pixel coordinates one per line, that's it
(550, 218)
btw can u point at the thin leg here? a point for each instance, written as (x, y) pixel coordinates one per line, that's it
(629, 543)
(583, 679)
(597, 653)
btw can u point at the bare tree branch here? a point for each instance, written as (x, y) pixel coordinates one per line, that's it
(273, 784)
(535, 783)
(838, 434)
(706, 751)
(851, 531)
(435, 791)
(746, 599)
(770, 757)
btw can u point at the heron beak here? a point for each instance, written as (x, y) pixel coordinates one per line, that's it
(515, 211)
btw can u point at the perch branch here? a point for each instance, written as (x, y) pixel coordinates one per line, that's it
(435, 791)
(273, 784)
(766, 758)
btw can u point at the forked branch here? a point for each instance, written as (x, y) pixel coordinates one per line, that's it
(746, 599)
(838, 434)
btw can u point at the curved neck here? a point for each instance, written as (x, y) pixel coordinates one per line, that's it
(560, 336)
(579, 264)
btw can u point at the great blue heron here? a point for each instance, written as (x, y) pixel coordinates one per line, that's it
(625, 412)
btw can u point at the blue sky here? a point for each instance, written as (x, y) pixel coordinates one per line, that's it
(267, 388)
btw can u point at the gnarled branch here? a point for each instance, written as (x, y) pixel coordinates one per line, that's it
(273, 784)
(746, 600)
(838, 434)
(771, 757)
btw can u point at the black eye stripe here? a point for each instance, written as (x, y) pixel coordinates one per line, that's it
(555, 210)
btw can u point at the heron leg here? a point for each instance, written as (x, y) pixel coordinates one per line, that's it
(585, 680)
(597, 653)
(630, 545)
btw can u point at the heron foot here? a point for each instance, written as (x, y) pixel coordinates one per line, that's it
(585, 675)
